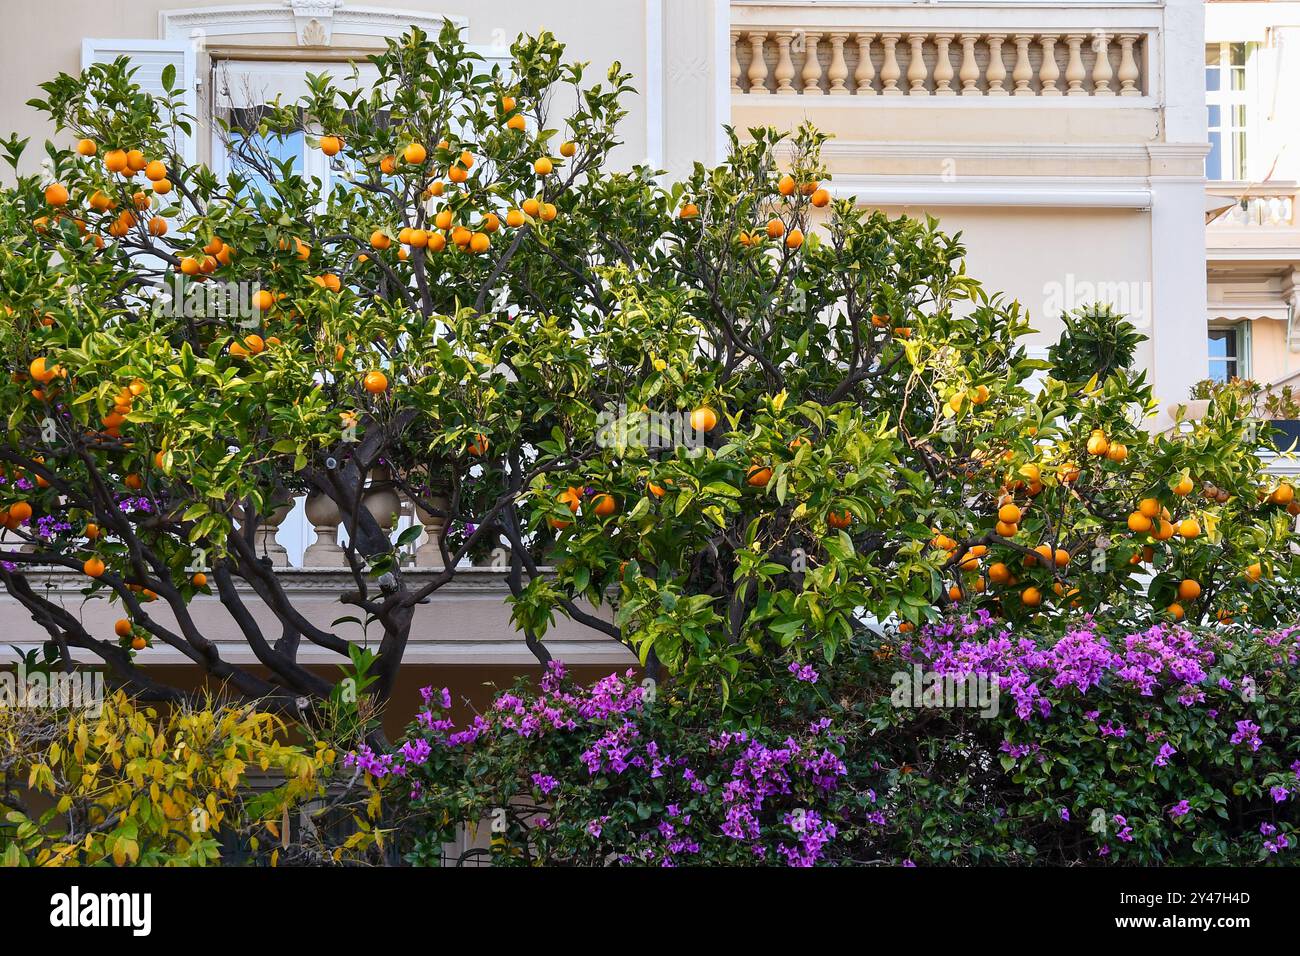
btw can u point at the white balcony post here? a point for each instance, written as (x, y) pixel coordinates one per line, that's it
(784, 71)
(997, 70)
(970, 71)
(1048, 71)
(866, 70)
(889, 70)
(757, 65)
(917, 74)
(839, 69)
(1074, 74)
(943, 65)
(812, 66)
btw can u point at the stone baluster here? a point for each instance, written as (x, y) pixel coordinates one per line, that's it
(264, 542)
(1048, 71)
(812, 66)
(324, 516)
(997, 70)
(1101, 69)
(784, 72)
(970, 70)
(839, 69)
(889, 71)
(735, 64)
(1022, 73)
(1128, 69)
(917, 73)
(429, 553)
(866, 70)
(1074, 74)
(757, 65)
(943, 65)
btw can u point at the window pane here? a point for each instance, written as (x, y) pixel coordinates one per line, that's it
(1214, 114)
(1239, 159)
(1212, 79)
(1237, 54)
(1211, 54)
(1214, 158)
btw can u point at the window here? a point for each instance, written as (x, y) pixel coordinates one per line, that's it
(1229, 352)
(1228, 69)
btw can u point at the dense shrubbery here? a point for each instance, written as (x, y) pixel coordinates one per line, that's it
(1162, 746)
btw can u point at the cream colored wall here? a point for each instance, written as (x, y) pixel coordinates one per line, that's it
(1050, 259)
(38, 40)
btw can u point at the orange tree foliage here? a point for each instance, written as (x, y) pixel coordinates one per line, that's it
(479, 304)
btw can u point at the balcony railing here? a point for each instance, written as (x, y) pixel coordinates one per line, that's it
(1265, 205)
(977, 50)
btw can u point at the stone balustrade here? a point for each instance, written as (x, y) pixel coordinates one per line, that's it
(1266, 205)
(791, 61)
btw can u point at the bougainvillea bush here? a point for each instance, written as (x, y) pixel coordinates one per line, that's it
(1169, 745)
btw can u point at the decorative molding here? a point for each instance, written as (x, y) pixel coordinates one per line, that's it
(1100, 192)
(312, 23)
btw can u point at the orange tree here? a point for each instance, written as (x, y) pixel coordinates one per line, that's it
(480, 312)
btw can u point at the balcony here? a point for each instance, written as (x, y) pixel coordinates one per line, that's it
(1252, 223)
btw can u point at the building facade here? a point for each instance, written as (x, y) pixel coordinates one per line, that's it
(1067, 141)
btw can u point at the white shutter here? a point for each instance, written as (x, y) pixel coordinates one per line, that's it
(149, 58)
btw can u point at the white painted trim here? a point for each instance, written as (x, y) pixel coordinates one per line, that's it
(277, 18)
(654, 83)
(721, 78)
(1061, 152)
(1056, 192)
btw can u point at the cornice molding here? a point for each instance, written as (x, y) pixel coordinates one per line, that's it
(312, 22)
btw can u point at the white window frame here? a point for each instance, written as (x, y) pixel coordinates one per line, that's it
(1241, 332)
(1226, 100)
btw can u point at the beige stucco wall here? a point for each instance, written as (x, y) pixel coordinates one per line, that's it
(31, 51)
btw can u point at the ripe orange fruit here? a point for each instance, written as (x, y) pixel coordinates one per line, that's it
(999, 573)
(786, 185)
(568, 148)
(839, 520)
(1062, 558)
(87, 147)
(388, 165)
(1031, 597)
(190, 266)
(758, 476)
(1164, 531)
(1009, 514)
(115, 160)
(156, 170)
(704, 419)
(56, 194)
(820, 198)
(138, 644)
(254, 343)
(604, 505)
(375, 382)
(479, 242)
(479, 447)
(93, 567)
(20, 511)
(39, 372)
(514, 218)
(1254, 571)
(517, 122)
(1139, 523)
(1284, 494)
(507, 104)
(543, 166)
(122, 627)
(491, 223)
(795, 239)
(775, 229)
(263, 300)
(809, 187)
(415, 154)
(200, 580)
(135, 160)
(379, 239)
(91, 531)
(1098, 444)
(1149, 507)
(1189, 590)
(1189, 528)
(1175, 611)
(532, 207)
(689, 211)
(1006, 530)
(157, 226)
(1117, 452)
(548, 212)
(134, 481)
(457, 174)
(1184, 487)
(330, 145)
